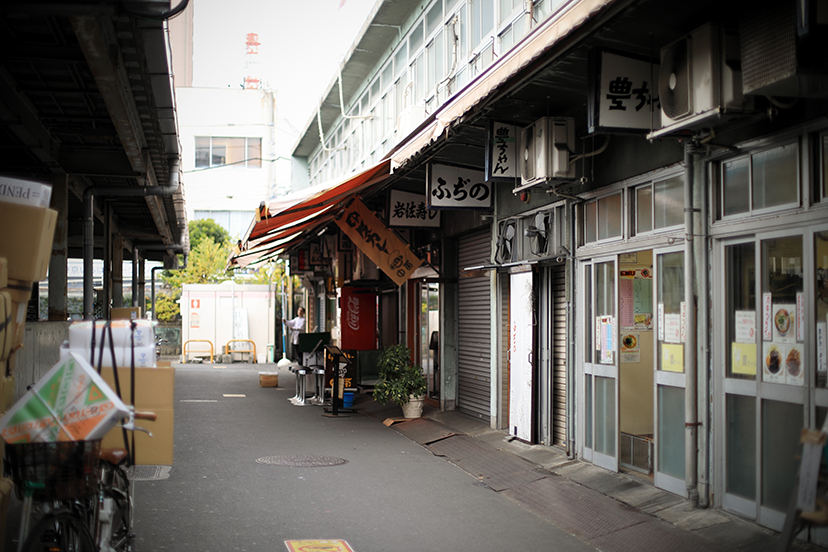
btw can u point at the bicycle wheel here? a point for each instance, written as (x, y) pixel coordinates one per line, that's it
(60, 531)
(121, 522)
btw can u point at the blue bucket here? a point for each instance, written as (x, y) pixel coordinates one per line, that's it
(347, 399)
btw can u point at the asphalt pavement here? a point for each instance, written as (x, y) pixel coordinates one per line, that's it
(391, 494)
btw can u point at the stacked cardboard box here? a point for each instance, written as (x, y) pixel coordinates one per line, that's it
(154, 392)
(27, 229)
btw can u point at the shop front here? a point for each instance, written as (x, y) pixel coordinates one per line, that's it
(770, 233)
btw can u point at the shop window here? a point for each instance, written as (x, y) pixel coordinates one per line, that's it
(763, 180)
(671, 312)
(782, 424)
(824, 171)
(671, 442)
(821, 345)
(782, 303)
(659, 205)
(602, 218)
(741, 327)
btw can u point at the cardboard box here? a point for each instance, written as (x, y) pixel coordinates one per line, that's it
(7, 328)
(125, 313)
(4, 272)
(149, 451)
(26, 243)
(163, 364)
(268, 379)
(154, 392)
(154, 387)
(25, 192)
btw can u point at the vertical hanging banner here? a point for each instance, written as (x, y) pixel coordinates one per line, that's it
(358, 321)
(378, 242)
(502, 151)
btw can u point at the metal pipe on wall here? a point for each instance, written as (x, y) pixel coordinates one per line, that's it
(690, 411)
(703, 337)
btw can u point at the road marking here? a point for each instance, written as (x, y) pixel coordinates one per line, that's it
(318, 546)
(198, 400)
(233, 395)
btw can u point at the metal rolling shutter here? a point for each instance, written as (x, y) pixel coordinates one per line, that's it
(559, 356)
(474, 330)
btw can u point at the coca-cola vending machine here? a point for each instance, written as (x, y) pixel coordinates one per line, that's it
(359, 319)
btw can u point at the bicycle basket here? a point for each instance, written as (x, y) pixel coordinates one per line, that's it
(55, 471)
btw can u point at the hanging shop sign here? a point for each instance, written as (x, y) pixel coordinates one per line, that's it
(452, 187)
(623, 93)
(378, 242)
(502, 152)
(407, 209)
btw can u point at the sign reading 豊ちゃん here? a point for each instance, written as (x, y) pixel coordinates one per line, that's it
(378, 242)
(501, 151)
(407, 209)
(457, 188)
(624, 93)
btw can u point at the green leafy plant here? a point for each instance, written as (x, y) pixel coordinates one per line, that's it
(399, 378)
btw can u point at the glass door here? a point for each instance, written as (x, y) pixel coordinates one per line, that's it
(600, 381)
(669, 374)
(429, 346)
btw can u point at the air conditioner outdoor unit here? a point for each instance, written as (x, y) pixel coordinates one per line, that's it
(546, 145)
(700, 78)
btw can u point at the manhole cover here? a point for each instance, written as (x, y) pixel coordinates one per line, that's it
(300, 461)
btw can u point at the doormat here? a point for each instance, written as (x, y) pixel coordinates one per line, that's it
(318, 546)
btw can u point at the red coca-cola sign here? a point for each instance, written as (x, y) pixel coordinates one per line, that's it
(358, 308)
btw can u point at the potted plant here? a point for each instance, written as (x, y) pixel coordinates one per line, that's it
(400, 381)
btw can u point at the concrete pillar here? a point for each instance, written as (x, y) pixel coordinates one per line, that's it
(58, 304)
(117, 270)
(106, 280)
(449, 330)
(142, 296)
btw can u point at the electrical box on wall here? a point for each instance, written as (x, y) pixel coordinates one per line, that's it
(546, 147)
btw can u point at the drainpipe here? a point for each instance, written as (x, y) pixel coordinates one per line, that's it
(571, 346)
(703, 339)
(690, 397)
(152, 276)
(89, 225)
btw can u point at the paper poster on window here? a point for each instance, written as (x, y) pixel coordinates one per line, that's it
(626, 306)
(630, 347)
(661, 321)
(607, 340)
(643, 291)
(767, 307)
(745, 323)
(672, 357)
(644, 321)
(794, 369)
(683, 316)
(822, 346)
(784, 323)
(672, 328)
(773, 358)
(743, 358)
(800, 317)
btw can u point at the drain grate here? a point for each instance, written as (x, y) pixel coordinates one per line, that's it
(149, 473)
(302, 461)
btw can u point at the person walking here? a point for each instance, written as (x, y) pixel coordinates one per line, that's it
(296, 326)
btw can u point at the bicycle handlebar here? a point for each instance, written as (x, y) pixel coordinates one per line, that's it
(150, 416)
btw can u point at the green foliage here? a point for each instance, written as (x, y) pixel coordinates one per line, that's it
(399, 378)
(203, 229)
(166, 308)
(205, 266)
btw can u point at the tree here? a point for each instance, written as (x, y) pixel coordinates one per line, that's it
(205, 265)
(202, 229)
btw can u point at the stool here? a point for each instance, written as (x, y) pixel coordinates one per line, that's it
(319, 397)
(299, 399)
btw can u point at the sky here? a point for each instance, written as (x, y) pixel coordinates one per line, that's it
(301, 45)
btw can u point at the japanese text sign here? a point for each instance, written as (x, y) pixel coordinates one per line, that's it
(407, 209)
(624, 93)
(457, 188)
(502, 151)
(378, 242)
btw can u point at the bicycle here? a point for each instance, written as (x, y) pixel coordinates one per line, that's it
(83, 493)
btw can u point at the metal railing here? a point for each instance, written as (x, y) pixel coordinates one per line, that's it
(184, 349)
(227, 350)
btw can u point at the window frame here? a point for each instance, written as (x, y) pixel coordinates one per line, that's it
(234, 166)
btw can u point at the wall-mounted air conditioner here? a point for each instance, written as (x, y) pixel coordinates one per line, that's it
(546, 147)
(700, 77)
